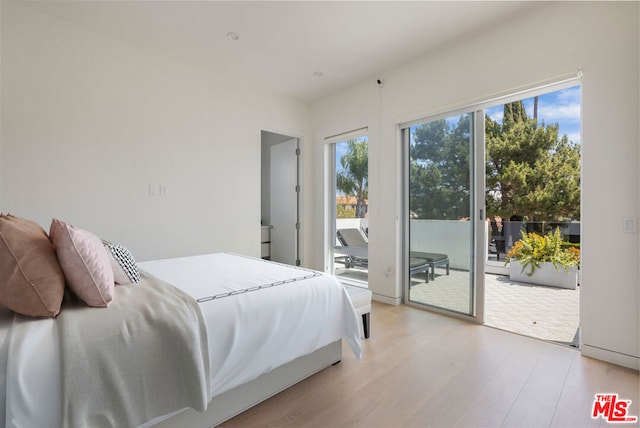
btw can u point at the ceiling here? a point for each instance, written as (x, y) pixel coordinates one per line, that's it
(282, 44)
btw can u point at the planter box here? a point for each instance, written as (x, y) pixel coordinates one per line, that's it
(546, 274)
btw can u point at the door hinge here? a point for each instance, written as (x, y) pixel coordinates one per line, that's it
(297, 262)
(297, 188)
(297, 152)
(298, 226)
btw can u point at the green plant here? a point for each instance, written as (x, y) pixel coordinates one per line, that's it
(345, 211)
(534, 249)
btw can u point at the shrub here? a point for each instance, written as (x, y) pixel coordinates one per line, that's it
(534, 249)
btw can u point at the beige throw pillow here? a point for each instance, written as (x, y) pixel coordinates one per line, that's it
(85, 263)
(31, 281)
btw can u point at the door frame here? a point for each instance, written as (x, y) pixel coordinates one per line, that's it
(278, 139)
(480, 245)
(330, 197)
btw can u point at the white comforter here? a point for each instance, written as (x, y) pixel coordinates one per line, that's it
(254, 332)
(250, 333)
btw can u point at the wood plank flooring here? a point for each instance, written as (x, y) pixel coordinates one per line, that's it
(426, 370)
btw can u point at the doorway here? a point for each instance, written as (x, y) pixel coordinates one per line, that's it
(347, 204)
(280, 198)
(533, 210)
(479, 182)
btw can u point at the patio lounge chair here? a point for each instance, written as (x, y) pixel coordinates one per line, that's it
(433, 260)
(355, 248)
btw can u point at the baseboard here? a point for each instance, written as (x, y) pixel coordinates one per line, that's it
(386, 299)
(617, 358)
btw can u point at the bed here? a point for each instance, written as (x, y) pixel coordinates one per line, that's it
(247, 328)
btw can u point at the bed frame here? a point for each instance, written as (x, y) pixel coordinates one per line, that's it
(231, 403)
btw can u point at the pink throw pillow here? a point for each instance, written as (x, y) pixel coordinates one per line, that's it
(85, 263)
(31, 281)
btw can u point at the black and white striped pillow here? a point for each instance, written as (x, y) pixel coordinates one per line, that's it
(125, 268)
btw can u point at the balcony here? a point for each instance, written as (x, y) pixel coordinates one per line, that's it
(546, 313)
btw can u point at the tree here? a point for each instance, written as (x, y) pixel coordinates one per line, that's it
(530, 171)
(513, 113)
(352, 180)
(440, 171)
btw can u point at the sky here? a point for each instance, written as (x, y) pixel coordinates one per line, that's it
(561, 107)
(341, 149)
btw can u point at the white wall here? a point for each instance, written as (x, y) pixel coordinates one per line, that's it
(0, 106)
(552, 40)
(90, 122)
(450, 237)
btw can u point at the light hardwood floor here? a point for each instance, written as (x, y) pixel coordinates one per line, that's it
(426, 370)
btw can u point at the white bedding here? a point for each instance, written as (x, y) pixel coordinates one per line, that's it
(250, 333)
(272, 325)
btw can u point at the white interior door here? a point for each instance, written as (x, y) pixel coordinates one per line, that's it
(284, 202)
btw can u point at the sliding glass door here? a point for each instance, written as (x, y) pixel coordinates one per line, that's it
(443, 213)
(348, 240)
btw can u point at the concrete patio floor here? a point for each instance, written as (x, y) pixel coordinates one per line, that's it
(546, 313)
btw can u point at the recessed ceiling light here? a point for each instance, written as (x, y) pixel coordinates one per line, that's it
(232, 36)
(318, 73)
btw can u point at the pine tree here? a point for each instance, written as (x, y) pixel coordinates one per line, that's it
(531, 172)
(439, 170)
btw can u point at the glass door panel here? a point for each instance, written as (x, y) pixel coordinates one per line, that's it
(441, 203)
(350, 234)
